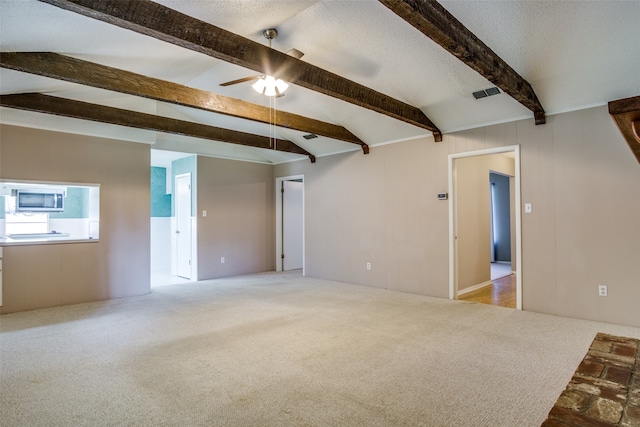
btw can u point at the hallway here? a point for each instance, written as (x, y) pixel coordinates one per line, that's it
(501, 292)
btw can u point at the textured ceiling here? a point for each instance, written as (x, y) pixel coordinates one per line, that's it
(574, 54)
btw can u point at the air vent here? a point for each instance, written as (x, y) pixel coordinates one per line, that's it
(295, 53)
(486, 92)
(310, 136)
(480, 94)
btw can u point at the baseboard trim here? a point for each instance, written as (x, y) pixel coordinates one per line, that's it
(474, 288)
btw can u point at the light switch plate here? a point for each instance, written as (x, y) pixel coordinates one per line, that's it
(527, 208)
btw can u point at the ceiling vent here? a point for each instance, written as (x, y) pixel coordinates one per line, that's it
(487, 92)
(310, 136)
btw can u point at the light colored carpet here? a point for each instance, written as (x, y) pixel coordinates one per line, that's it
(279, 349)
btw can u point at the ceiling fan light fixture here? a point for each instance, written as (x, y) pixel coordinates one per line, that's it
(281, 86)
(259, 85)
(270, 86)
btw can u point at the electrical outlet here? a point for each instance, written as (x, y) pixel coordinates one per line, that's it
(221, 260)
(602, 290)
(368, 266)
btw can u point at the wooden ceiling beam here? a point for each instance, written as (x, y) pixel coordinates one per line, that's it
(434, 21)
(99, 113)
(86, 73)
(171, 26)
(626, 114)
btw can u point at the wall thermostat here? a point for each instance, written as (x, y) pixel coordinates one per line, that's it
(443, 196)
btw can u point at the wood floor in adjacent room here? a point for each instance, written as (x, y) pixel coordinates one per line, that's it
(502, 292)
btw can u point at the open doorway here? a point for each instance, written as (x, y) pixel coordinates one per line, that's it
(500, 187)
(290, 223)
(166, 167)
(472, 230)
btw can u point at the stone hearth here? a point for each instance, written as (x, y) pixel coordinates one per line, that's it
(605, 389)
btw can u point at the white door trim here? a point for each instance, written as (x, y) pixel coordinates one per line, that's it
(453, 291)
(278, 200)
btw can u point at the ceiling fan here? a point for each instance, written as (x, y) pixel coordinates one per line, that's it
(265, 84)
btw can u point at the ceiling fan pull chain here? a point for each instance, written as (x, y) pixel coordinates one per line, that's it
(271, 120)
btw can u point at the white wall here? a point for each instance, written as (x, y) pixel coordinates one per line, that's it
(160, 244)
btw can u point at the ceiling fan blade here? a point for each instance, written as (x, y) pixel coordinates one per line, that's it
(242, 80)
(295, 53)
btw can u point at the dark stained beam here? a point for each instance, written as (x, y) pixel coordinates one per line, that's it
(74, 70)
(434, 21)
(98, 113)
(171, 26)
(626, 114)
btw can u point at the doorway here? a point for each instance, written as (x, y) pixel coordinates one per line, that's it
(165, 166)
(290, 223)
(183, 225)
(470, 244)
(500, 185)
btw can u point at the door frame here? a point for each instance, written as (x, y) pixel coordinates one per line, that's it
(278, 204)
(491, 216)
(453, 291)
(189, 218)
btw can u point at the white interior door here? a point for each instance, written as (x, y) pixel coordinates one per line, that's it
(292, 224)
(183, 225)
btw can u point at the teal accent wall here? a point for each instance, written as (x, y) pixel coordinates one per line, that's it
(178, 167)
(2, 207)
(160, 201)
(76, 204)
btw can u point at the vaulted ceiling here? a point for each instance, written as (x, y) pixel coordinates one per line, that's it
(369, 74)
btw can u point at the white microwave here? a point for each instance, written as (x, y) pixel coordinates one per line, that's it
(39, 201)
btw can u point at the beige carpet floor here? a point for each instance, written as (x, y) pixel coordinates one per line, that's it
(283, 350)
